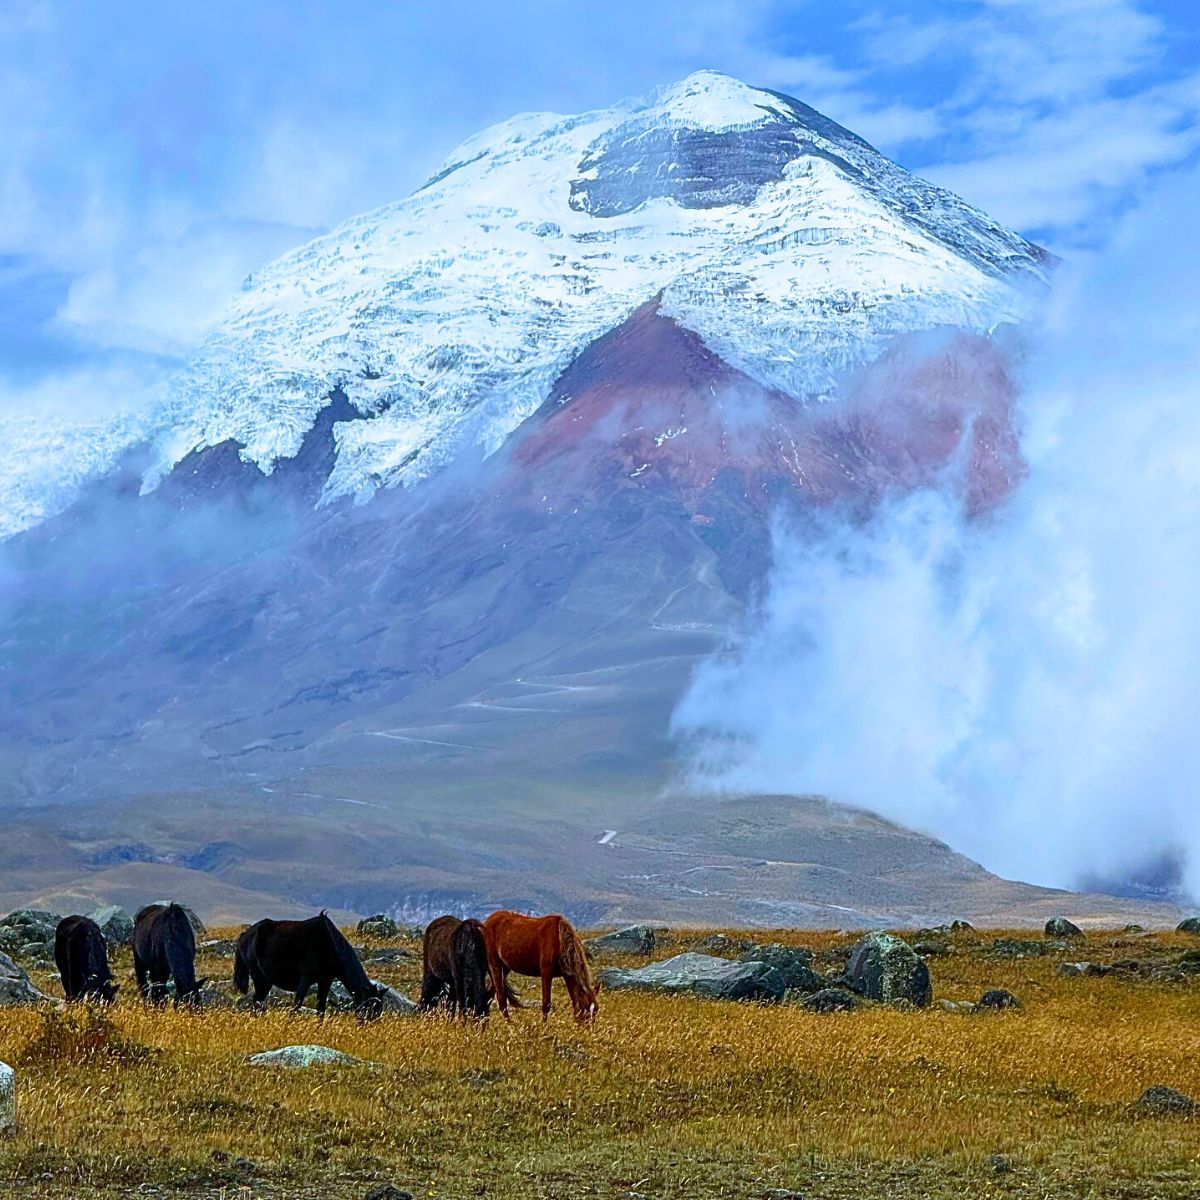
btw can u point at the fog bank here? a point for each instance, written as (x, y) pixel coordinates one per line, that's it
(1026, 685)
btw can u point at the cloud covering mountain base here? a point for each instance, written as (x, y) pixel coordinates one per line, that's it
(1025, 684)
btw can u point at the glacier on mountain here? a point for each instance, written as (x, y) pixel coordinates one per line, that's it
(788, 244)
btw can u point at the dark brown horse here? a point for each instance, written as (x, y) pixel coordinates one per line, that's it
(294, 955)
(541, 946)
(164, 948)
(456, 966)
(81, 955)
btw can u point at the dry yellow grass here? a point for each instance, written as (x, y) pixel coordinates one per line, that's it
(665, 1097)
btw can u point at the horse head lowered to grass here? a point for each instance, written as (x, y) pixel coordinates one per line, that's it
(295, 955)
(545, 947)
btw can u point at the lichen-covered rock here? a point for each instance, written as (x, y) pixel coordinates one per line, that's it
(388, 955)
(393, 1001)
(956, 1006)
(1163, 1101)
(388, 1191)
(1188, 925)
(1006, 947)
(218, 947)
(722, 943)
(115, 923)
(701, 975)
(15, 985)
(834, 999)
(633, 939)
(378, 926)
(1070, 970)
(794, 963)
(885, 967)
(931, 948)
(998, 998)
(305, 1056)
(8, 1099)
(28, 926)
(1060, 927)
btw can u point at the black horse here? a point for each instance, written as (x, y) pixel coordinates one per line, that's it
(164, 947)
(456, 966)
(294, 955)
(81, 955)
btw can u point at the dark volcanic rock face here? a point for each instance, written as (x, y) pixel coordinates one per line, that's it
(649, 407)
(697, 168)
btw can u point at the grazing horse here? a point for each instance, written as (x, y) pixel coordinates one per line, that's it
(294, 955)
(81, 955)
(164, 947)
(541, 946)
(456, 965)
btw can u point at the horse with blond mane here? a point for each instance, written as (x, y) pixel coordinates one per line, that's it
(547, 947)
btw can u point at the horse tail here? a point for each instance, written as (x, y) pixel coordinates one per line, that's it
(572, 957)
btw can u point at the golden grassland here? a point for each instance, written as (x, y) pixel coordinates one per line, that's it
(662, 1097)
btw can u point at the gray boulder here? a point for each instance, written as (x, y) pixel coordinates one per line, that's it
(633, 939)
(115, 923)
(8, 1099)
(998, 998)
(25, 926)
(1188, 925)
(393, 1001)
(218, 947)
(304, 1056)
(885, 967)
(794, 963)
(379, 926)
(1069, 970)
(701, 975)
(956, 1006)
(1162, 1101)
(831, 1000)
(388, 955)
(721, 943)
(1060, 927)
(15, 985)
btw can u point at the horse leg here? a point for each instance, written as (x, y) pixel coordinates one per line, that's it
(262, 987)
(496, 967)
(431, 989)
(143, 980)
(301, 992)
(547, 989)
(323, 986)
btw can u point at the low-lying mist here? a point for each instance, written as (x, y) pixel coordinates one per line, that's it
(1025, 684)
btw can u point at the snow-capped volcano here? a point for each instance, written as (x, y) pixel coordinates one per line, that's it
(790, 246)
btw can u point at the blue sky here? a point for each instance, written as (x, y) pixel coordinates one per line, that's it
(153, 154)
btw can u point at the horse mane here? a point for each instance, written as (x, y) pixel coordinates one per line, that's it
(470, 948)
(350, 970)
(571, 955)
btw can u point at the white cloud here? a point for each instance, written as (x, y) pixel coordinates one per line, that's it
(1022, 686)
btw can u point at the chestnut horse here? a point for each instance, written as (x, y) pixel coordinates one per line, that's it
(540, 946)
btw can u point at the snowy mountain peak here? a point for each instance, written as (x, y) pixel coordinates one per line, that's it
(791, 247)
(708, 100)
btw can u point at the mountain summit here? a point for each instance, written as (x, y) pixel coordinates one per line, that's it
(787, 244)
